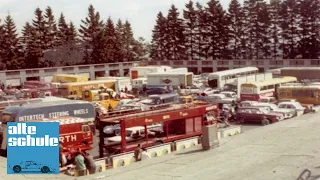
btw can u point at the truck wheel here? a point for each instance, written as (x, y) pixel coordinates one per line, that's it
(265, 122)
(16, 169)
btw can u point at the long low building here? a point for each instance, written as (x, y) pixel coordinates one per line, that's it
(17, 77)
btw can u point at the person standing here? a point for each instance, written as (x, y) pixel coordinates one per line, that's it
(138, 153)
(80, 164)
(91, 166)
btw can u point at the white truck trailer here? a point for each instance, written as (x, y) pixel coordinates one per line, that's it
(170, 79)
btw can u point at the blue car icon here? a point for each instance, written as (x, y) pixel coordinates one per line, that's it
(31, 166)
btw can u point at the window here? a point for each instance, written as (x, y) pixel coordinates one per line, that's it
(271, 87)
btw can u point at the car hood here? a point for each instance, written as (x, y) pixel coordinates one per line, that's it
(116, 139)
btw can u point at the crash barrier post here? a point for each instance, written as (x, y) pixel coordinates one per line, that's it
(122, 159)
(187, 143)
(101, 164)
(159, 150)
(229, 131)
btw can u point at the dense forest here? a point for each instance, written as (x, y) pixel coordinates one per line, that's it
(47, 42)
(256, 29)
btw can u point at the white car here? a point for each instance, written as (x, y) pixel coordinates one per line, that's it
(248, 103)
(287, 113)
(229, 94)
(134, 133)
(218, 98)
(299, 109)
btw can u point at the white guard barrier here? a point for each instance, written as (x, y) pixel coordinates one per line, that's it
(160, 150)
(122, 159)
(184, 144)
(229, 131)
(100, 165)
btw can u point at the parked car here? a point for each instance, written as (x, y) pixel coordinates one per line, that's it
(207, 91)
(257, 115)
(132, 134)
(299, 109)
(287, 113)
(190, 90)
(248, 103)
(218, 99)
(155, 91)
(268, 100)
(230, 94)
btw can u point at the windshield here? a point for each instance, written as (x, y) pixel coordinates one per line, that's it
(264, 111)
(273, 106)
(264, 100)
(282, 106)
(128, 133)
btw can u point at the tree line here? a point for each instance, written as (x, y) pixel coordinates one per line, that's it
(279, 29)
(45, 42)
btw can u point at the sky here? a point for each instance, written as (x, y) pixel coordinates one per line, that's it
(140, 13)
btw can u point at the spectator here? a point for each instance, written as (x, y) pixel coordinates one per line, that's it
(125, 89)
(225, 116)
(91, 166)
(80, 164)
(62, 156)
(138, 153)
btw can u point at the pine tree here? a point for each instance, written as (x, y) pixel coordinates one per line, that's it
(289, 26)
(128, 41)
(191, 30)
(50, 29)
(218, 33)
(257, 25)
(235, 29)
(309, 28)
(158, 51)
(11, 45)
(204, 28)
(275, 27)
(90, 30)
(2, 48)
(63, 29)
(175, 46)
(36, 41)
(121, 44)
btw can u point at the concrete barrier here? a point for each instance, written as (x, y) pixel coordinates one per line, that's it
(184, 144)
(230, 131)
(122, 159)
(159, 150)
(101, 164)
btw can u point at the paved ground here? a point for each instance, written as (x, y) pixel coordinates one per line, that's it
(276, 152)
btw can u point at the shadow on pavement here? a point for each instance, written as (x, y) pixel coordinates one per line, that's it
(190, 152)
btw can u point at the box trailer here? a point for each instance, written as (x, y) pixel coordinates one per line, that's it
(170, 79)
(141, 72)
(120, 82)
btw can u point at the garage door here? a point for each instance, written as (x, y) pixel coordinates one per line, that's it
(48, 79)
(13, 82)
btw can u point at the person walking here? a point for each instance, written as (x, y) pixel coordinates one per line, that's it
(138, 153)
(91, 166)
(80, 165)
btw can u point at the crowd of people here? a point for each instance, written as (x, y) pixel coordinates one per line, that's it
(83, 163)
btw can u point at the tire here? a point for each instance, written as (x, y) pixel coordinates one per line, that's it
(45, 169)
(16, 168)
(265, 122)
